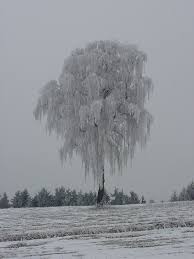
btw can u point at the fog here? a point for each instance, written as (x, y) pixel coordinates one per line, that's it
(36, 36)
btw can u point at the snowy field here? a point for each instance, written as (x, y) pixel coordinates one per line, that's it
(164, 230)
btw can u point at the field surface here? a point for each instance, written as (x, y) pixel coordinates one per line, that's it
(164, 230)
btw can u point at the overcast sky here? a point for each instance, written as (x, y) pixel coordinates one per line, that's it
(36, 36)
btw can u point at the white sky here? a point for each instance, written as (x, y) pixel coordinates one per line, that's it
(36, 36)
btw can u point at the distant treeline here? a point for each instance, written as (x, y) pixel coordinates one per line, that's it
(187, 194)
(66, 197)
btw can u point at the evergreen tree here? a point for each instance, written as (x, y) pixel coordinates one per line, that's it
(4, 202)
(80, 201)
(60, 196)
(67, 197)
(143, 199)
(17, 200)
(73, 198)
(45, 198)
(190, 191)
(106, 197)
(86, 199)
(134, 198)
(34, 201)
(118, 197)
(174, 197)
(183, 196)
(25, 198)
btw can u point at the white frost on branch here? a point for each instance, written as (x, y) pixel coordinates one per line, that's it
(97, 105)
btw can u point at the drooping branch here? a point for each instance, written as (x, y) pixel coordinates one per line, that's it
(97, 105)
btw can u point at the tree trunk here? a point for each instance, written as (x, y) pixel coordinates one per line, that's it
(101, 191)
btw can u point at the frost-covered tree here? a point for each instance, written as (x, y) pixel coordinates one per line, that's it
(97, 105)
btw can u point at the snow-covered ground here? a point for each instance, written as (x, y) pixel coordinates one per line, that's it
(164, 230)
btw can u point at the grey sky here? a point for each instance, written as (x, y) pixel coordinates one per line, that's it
(36, 36)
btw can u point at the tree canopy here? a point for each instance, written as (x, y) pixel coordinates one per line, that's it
(97, 105)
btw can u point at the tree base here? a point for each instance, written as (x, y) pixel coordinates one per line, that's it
(100, 195)
(101, 204)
